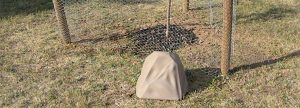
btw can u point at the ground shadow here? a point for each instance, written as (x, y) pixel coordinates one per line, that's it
(132, 1)
(215, 5)
(200, 79)
(111, 38)
(145, 41)
(273, 13)
(15, 7)
(266, 62)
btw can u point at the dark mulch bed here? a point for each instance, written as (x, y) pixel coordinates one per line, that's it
(151, 39)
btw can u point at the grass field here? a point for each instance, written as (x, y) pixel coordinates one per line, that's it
(38, 70)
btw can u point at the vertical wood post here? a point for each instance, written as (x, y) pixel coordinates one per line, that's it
(62, 21)
(186, 5)
(226, 40)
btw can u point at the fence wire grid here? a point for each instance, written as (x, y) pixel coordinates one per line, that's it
(139, 27)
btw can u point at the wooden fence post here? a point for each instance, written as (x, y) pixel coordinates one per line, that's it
(226, 39)
(62, 20)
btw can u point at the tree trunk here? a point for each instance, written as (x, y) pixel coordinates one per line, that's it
(168, 18)
(186, 5)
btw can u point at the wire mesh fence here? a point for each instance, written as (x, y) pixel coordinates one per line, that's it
(139, 27)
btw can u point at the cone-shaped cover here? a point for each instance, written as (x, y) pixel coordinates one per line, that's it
(162, 77)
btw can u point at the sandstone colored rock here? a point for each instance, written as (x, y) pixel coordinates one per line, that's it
(162, 77)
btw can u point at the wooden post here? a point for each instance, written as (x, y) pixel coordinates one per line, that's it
(62, 20)
(186, 5)
(226, 40)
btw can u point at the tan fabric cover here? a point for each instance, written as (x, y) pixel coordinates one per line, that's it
(162, 77)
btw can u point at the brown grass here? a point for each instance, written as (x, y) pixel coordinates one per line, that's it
(38, 70)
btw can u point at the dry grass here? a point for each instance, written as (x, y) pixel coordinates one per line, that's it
(38, 70)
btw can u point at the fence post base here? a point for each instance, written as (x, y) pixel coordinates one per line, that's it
(226, 40)
(62, 20)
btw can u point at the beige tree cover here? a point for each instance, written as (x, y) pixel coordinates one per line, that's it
(162, 77)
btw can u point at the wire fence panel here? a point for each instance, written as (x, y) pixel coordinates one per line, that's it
(139, 27)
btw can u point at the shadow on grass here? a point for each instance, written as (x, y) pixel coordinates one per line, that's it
(112, 37)
(200, 79)
(266, 62)
(273, 13)
(132, 2)
(216, 5)
(10, 8)
(145, 41)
